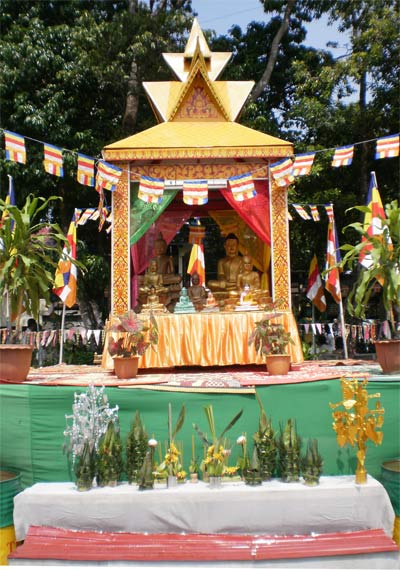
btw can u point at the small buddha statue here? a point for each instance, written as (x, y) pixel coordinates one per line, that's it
(197, 293)
(184, 305)
(211, 304)
(165, 264)
(152, 279)
(153, 304)
(247, 300)
(247, 276)
(228, 267)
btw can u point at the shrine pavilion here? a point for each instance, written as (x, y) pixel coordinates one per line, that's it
(198, 138)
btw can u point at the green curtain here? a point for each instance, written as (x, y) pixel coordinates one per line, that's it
(32, 422)
(144, 214)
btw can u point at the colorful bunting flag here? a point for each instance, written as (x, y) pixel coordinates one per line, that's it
(314, 212)
(332, 283)
(196, 262)
(387, 147)
(372, 221)
(282, 172)
(151, 190)
(66, 274)
(195, 192)
(343, 156)
(85, 216)
(315, 291)
(85, 172)
(196, 234)
(329, 211)
(303, 163)
(107, 176)
(301, 211)
(15, 147)
(53, 161)
(242, 187)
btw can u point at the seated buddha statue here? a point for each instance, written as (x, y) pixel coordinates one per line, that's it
(247, 276)
(211, 305)
(228, 267)
(153, 279)
(184, 305)
(153, 304)
(197, 293)
(165, 264)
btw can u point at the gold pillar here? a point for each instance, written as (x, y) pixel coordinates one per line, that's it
(120, 250)
(280, 246)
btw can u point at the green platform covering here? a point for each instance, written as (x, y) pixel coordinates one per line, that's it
(32, 420)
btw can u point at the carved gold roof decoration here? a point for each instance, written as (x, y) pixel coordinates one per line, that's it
(197, 115)
(226, 97)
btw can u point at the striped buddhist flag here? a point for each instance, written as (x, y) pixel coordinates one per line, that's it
(85, 216)
(85, 172)
(66, 274)
(332, 282)
(302, 163)
(329, 211)
(196, 234)
(15, 147)
(151, 190)
(195, 192)
(343, 156)
(387, 147)
(53, 160)
(107, 176)
(282, 172)
(301, 211)
(314, 212)
(196, 262)
(315, 291)
(372, 221)
(242, 187)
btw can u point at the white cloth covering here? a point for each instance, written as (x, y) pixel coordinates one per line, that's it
(337, 504)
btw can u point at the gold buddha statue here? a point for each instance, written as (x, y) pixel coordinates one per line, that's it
(197, 293)
(228, 267)
(153, 279)
(153, 304)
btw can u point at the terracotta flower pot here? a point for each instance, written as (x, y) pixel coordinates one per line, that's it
(388, 355)
(278, 364)
(126, 367)
(15, 361)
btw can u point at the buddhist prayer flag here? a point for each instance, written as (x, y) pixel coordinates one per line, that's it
(301, 211)
(195, 192)
(372, 221)
(53, 161)
(85, 216)
(303, 163)
(66, 273)
(343, 156)
(196, 234)
(315, 291)
(107, 176)
(332, 283)
(387, 147)
(196, 262)
(282, 172)
(314, 213)
(85, 172)
(242, 187)
(329, 211)
(15, 147)
(151, 190)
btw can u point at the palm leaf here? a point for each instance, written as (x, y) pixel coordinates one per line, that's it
(231, 423)
(180, 421)
(201, 435)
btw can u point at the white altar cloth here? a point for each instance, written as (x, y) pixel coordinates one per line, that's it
(336, 505)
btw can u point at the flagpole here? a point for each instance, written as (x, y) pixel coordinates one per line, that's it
(60, 361)
(342, 324)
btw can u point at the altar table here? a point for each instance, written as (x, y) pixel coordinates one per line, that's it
(337, 504)
(210, 339)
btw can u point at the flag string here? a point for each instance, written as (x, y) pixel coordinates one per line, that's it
(98, 159)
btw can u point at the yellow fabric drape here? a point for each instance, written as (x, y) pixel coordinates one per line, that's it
(209, 339)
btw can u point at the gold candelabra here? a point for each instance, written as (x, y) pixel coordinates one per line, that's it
(356, 424)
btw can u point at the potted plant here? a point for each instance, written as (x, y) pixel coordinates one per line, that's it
(271, 340)
(383, 268)
(30, 248)
(130, 338)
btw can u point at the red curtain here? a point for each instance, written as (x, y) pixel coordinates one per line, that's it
(256, 211)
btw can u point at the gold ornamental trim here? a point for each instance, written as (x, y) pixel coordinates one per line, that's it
(280, 251)
(120, 247)
(197, 153)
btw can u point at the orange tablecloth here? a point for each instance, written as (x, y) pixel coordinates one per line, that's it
(209, 339)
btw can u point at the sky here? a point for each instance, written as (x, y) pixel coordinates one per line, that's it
(220, 15)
